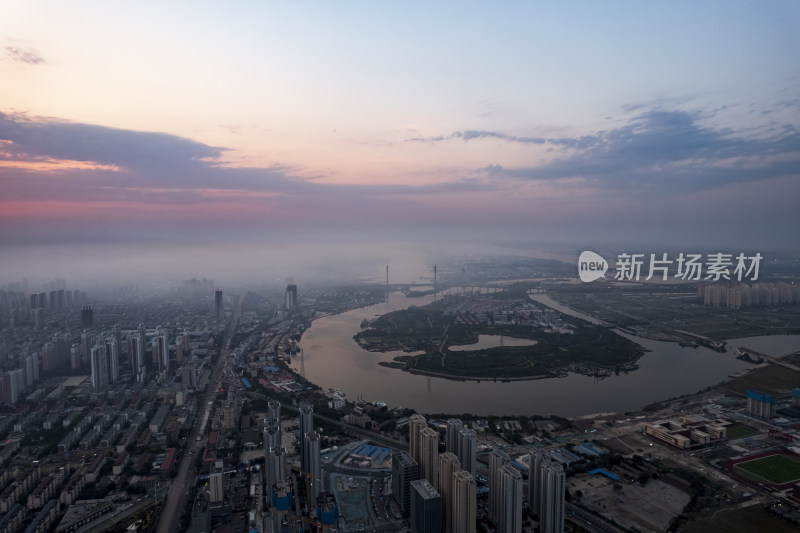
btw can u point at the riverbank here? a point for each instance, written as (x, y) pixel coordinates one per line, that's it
(456, 377)
(333, 360)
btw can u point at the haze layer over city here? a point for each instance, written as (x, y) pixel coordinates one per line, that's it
(418, 267)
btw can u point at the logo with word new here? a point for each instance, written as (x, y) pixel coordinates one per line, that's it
(591, 266)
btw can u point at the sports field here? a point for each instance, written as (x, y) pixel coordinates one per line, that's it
(773, 469)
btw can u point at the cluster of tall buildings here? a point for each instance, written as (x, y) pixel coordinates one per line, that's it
(18, 307)
(30, 364)
(437, 492)
(505, 493)
(546, 489)
(442, 498)
(279, 488)
(102, 355)
(761, 405)
(104, 359)
(734, 295)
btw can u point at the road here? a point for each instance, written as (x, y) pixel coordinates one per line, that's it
(185, 479)
(108, 521)
(780, 361)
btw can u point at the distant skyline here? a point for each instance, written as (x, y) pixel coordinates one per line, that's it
(672, 123)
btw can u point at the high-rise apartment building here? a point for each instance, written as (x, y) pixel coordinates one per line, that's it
(497, 460)
(416, 423)
(160, 348)
(404, 470)
(99, 363)
(87, 315)
(551, 514)
(313, 470)
(448, 465)
(218, 304)
(429, 464)
(426, 508)
(546, 490)
(87, 342)
(509, 519)
(760, 404)
(137, 342)
(465, 504)
(112, 353)
(467, 449)
(306, 427)
(275, 470)
(453, 436)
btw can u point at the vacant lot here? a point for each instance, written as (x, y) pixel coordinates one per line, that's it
(648, 507)
(749, 520)
(768, 379)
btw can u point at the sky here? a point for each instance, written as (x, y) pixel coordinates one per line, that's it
(356, 122)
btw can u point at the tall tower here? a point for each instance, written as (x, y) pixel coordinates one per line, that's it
(467, 449)
(179, 350)
(454, 428)
(306, 427)
(429, 465)
(87, 316)
(112, 352)
(274, 454)
(510, 516)
(275, 470)
(291, 298)
(435, 287)
(136, 346)
(75, 355)
(551, 514)
(313, 470)
(536, 461)
(160, 348)
(404, 470)
(416, 423)
(497, 460)
(426, 508)
(218, 304)
(448, 465)
(188, 375)
(116, 332)
(272, 437)
(87, 341)
(465, 505)
(274, 413)
(99, 367)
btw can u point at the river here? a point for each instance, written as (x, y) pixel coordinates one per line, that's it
(332, 359)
